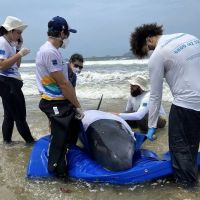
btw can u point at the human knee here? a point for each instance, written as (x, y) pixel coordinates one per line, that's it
(8, 117)
(20, 121)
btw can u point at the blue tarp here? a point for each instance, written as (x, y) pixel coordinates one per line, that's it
(147, 165)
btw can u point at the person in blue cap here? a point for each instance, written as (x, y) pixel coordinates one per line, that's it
(58, 97)
(137, 107)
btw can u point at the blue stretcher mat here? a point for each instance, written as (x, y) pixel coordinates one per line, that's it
(147, 165)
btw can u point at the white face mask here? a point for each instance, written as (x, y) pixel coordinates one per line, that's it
(65, 43)
(76, 70)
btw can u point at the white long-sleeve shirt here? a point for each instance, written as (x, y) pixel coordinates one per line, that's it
(138, 107)
(177, 59)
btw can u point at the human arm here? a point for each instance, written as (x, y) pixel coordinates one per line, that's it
(9, 62)
(6, 63)
(129, 105)
(142, 110)
(156, 73)
(138, 115)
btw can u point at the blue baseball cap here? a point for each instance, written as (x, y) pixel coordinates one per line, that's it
(59, 24)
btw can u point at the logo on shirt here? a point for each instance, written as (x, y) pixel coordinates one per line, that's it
(2, 52)
(54, 62)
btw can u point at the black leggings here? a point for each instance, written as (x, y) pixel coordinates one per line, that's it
(14, 109)
(184, 137)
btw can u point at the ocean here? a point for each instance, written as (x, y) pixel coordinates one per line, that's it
(107, 77)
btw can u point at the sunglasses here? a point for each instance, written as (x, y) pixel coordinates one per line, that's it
(78, 66)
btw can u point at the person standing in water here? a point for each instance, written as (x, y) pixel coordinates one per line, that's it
(75, 65)
(58, 97)
(10, 79)
(175, 57)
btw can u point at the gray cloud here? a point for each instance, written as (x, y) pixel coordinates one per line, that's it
(103, 26)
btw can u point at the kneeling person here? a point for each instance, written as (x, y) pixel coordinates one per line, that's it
(137, 108)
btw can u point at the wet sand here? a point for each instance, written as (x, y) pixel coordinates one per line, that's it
(15, 186)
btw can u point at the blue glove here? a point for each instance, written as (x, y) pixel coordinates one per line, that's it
(150, 134)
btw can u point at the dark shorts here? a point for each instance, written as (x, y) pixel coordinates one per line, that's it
(184, 138)
(64, 132)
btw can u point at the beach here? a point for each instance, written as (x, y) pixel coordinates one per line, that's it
(98, 77)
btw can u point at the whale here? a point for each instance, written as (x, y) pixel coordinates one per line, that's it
(108, 139)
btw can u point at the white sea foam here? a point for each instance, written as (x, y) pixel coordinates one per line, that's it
(107, 77)
(27, 65)
(108, 91)
(104, 62)
(113, 91)
(29, 87)
(109, 80)
(28, 76)
(117, 62)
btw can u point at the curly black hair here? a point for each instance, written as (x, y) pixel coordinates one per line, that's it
(138, 38)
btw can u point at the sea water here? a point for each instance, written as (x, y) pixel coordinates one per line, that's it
(107, 77)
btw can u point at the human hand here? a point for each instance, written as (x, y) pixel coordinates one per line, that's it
(19, 43)
(24, 51)
(79, 114)
(151, 134)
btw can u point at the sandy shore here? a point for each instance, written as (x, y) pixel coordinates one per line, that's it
(14, 158)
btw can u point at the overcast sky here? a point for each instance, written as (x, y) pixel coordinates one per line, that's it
(104, 26)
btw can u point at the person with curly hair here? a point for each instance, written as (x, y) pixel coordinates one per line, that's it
(176, 58)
